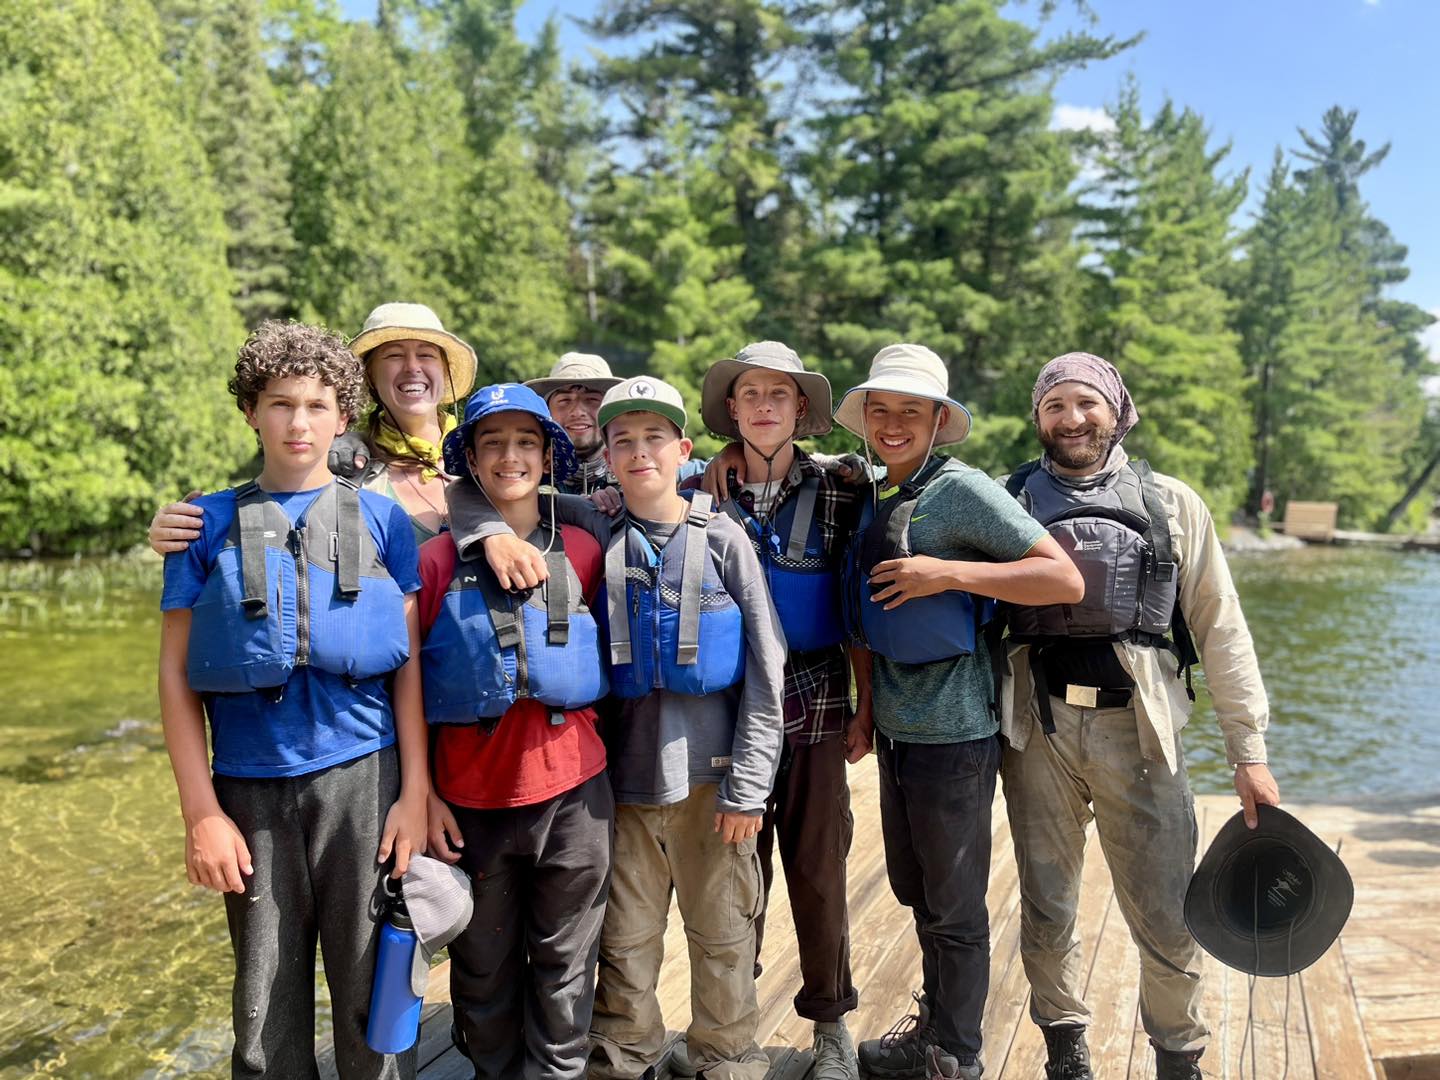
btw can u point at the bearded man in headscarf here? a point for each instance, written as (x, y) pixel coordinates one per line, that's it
(1093, 705)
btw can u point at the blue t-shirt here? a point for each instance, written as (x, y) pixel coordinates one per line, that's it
(320, 720)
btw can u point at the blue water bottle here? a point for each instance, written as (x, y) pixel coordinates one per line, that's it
(394, 1006)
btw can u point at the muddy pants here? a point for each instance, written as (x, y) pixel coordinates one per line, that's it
(313, 840)
(809, 815)
(1092, 767)
(522, 973)
(935, 803)
(717, 886)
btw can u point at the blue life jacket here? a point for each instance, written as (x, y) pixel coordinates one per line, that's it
(803, 582)
(283, 596)
(923, 629)
(488, 648)
(671, 623)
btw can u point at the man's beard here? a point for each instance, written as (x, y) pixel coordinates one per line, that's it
(1093, 449)
(592, 443)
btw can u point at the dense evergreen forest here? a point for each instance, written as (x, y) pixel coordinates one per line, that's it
(838, 174)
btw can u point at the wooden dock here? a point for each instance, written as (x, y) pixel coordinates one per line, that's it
(1368, 1010)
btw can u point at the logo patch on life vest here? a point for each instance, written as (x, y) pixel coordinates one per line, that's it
(720, 762)
(1089, 545)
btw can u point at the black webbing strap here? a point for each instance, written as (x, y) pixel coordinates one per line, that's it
(615, 597)
(804, 515)
(250, 509)
(347, 539)
(557, 598)
(1159, 522)
(503, 616)
(692, 579)
(1041, 682)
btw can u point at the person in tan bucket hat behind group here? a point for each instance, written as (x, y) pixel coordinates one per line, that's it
(416, 371)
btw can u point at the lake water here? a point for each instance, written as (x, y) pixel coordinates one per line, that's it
(113, 966)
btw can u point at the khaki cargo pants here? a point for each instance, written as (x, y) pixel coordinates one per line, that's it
(1092, 767)
(717, 885)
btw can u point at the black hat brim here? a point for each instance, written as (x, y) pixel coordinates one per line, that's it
(1269, 900)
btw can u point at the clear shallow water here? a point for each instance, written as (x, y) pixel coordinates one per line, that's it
(111, 965)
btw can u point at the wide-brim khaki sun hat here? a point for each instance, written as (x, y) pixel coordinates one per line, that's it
(765, 356)
(576, 369)
(643, 394)
(914, 371)
(402, 322)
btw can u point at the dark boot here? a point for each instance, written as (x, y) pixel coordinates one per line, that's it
(942, 1066)
(900, 1052)
(1177, 1064)
(1066, 1055)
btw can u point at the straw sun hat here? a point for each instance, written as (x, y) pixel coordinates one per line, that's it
(402, 322)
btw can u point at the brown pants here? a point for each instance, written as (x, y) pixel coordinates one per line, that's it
(809, 814)
(717, 885)
(1093, 767)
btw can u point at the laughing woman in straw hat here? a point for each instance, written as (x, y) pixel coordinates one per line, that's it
(415, 370)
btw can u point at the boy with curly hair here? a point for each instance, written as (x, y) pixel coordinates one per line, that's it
(290, 625)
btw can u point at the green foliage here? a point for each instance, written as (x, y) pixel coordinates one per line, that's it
(116, 326)
(1164, 243)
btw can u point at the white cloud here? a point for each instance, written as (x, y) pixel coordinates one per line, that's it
(1080, 118)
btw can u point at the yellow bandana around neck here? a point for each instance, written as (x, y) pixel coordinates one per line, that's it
(397, 444)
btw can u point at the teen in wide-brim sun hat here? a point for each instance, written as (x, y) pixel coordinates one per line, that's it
(402, 322)
(763, 356)
(914, 371)
(510, 397)
(576, 369)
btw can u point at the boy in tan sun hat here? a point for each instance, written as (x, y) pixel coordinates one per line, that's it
(573, 390)
(937, 540)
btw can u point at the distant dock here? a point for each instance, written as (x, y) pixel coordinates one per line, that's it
(1368, 1010)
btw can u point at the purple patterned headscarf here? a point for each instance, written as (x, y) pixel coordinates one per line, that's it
(1091, 370)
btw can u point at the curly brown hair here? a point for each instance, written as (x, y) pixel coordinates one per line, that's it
(279, 350)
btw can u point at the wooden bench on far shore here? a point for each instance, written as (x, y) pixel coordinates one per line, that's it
(1310, 520)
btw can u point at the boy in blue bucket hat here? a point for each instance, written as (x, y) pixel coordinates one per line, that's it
(521, 797)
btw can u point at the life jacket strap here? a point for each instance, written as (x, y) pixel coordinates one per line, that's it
(804, 515)
(250, 509)
(620, 652)
(505, 618)
(1160, 541)
(557, 598)
(692, 578)
(345, 540)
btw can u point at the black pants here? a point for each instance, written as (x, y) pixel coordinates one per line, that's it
(522, 974)
(935, 815)
(809, 814)
(312, 839)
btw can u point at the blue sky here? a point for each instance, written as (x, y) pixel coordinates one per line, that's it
(1255, 70)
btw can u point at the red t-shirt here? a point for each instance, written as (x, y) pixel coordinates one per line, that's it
(527, 759)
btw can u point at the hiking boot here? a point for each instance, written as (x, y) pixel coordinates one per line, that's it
(900, 1052)
(679, 1060)
(1177, 1064)
(834, 1052)
(942, 1066)
(1066, 1055)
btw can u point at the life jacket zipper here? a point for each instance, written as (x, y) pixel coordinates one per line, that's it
(302, 597)
(522, 669)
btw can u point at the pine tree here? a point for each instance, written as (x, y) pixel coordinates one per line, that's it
(115, 317)
(944, 200)
(1165, 246)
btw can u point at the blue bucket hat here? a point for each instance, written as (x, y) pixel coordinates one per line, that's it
(509, 397)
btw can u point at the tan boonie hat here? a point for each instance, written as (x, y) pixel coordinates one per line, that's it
(912, 370)
(767, 356)
(575, 369)
(643, 394)
(401, 322)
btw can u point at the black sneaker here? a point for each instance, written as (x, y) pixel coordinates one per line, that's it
(1067, 1057)
(1177, 1064)
(900, 1052)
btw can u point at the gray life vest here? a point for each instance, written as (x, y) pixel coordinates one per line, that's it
(1118, 535)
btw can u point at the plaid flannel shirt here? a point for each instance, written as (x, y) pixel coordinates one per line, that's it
(817, 683)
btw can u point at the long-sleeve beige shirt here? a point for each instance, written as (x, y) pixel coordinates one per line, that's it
(1212, 611)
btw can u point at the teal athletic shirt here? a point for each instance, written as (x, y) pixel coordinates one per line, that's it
(961, 514)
